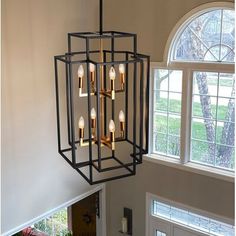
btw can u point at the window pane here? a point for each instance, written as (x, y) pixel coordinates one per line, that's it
(160, 143)
(174, 146)
(175, 81)
(161, 79)
(160, 101)
(226, 83)
(208, 37)
(205, 83)
(175, 102)
(224, 112)
(225, 157)
(228, 35)
(213, 120)
(160, 123)
(203, 152)
(174, 122)
(198, 129)
(204, 106)
(167, 112)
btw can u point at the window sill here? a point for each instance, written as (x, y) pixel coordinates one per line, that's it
(191, 167)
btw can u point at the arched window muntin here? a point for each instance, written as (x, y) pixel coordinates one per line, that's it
(178, 30)
(188, 69)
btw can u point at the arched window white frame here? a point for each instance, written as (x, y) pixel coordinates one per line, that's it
(187, 70)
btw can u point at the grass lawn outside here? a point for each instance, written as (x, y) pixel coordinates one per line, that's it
(167, 129)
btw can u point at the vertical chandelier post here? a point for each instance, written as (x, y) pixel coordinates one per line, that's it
(102, 104)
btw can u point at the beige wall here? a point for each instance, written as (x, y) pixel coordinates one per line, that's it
(153, 21)
(35, 178)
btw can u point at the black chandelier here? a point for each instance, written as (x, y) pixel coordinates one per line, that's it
(86, 83)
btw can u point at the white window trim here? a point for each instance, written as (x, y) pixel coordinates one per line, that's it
(187, 68)
(150, 218)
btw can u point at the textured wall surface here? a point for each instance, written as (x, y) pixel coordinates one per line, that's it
(35, 178)
(153, 21)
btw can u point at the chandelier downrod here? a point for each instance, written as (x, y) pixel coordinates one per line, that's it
(101, 16)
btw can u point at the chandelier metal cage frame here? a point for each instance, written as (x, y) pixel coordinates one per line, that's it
(102, 89)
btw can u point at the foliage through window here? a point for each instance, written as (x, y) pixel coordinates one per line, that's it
(207, 40)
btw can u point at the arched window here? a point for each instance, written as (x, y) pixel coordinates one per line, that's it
(193, 102)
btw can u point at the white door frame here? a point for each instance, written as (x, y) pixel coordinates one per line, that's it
(102, 221)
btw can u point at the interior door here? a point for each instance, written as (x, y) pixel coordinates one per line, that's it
(83, 217)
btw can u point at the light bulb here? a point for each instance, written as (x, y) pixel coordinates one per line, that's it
(122, 68)
(81, 71)
(81, 122)
(112, 126)
(93, 114)
(121, 116)
(91, 67)
(112, 73)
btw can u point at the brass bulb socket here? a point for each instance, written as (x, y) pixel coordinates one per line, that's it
(112, 84)
(122, 78)
(80, 82)
(92, 76)
(93, 123)
(122, 126)
(81, 133)
(112, 137)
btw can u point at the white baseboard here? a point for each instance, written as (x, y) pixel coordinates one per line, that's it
(51, 212)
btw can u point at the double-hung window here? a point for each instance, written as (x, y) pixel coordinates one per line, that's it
(193, 94)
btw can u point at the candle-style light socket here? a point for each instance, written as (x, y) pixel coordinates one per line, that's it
(112, 139)
(112, 136)
(81, 133)
(92, 79)
(92, 76)
(112, 89)
(93, 123)
(80, 82)
(122, 80)
(122, 129)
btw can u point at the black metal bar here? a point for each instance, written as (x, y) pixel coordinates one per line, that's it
(112, 47)
(141, 110)
(147, 104)
(57, 106)
(107, 169)
(135, 45)
(84, 176)
(126, 97)
(105, 87)
(116, 62)
(82, 164)
(69, 43)
(82, 52)
(105, 34)
(66, 158)
(89, 110)
(98, 116)
(132, 143)
(112, 101)
(123, 165)
(68, 112)
(71, 97)
(134, 114)
(101, 17)
(63, 60)
(112, 178)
